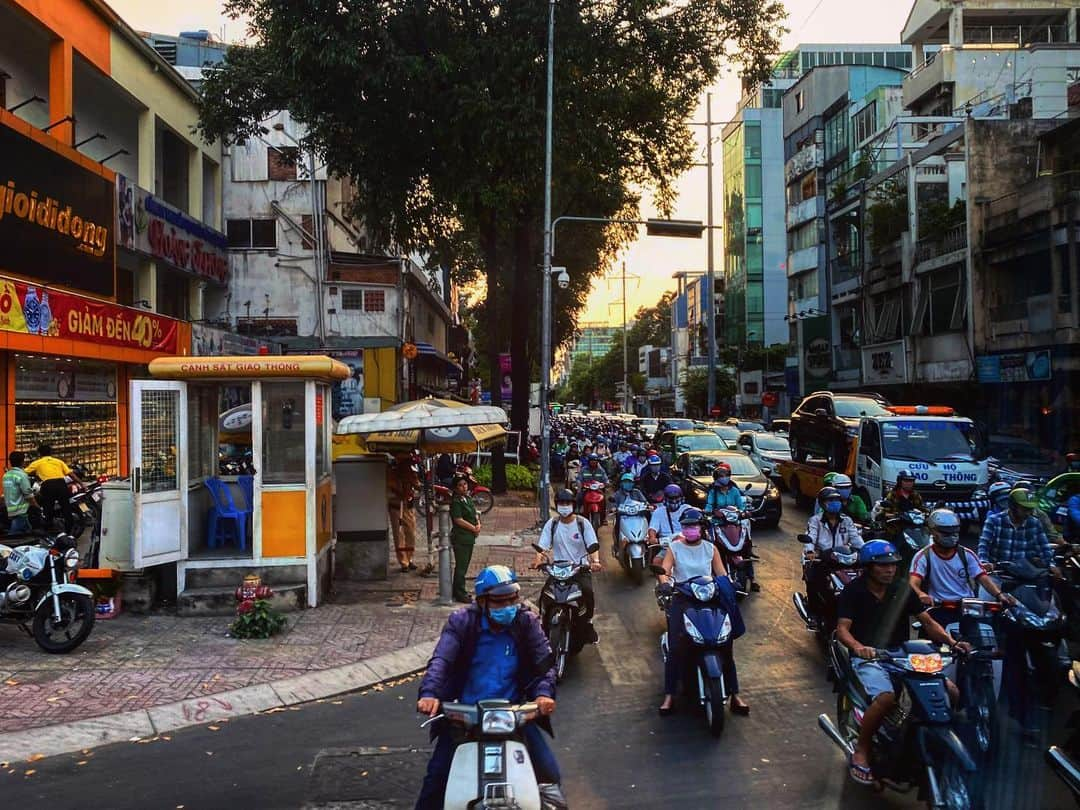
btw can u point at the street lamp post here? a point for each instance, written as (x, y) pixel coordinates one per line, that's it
(710, 307)
(545, 309)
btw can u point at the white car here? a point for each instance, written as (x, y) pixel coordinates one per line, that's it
(766, 450)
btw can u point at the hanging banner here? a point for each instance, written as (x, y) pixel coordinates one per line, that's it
(505, 367)
(34, 310)
(152, 226)
(347, 396)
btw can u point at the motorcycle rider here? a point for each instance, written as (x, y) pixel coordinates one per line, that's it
(724, 492)
(627, 491)
(853, 505)
(945, 571)
(903, 498)
(827, 530)
(52, 471)
(568, 537)
(873, 614)
(666, 519)
(1015, 534)
(593, 471)
(1053, 533)
(494, 649)
(998, 493)
(690, 557)
(654, 478)
(18, 494)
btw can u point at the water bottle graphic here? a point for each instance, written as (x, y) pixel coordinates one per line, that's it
(32, 311)
(45, 315)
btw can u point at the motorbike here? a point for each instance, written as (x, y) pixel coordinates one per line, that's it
(593, 503)
(917, 744)
(1066, 760)
(1068, 588)
(912, 535)
(492, 768)
(708, 631)
(843, 564)
(573, 472)
(561, 602)
(632, 540)
(36, 589)
(730, 532)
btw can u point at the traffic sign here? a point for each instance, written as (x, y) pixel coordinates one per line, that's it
(770, 399)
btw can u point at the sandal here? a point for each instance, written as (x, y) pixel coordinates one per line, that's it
(739, 708)
(861, 774)
(667, 711)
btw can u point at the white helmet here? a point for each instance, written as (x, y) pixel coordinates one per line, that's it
(841, 480)
(945, 527)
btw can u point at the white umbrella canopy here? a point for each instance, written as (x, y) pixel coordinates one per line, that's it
(423, 414)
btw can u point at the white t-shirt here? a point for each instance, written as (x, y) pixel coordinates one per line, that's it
(569, 543)
(948, 580)
(666, 523)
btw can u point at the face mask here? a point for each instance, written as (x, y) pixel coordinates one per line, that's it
(845, 493)
(503, 615)
(833, 507)
(564, 509)
(1002, 503)
(722, 481)
(907, 486)
(692, 533)
(947, 539)
(674, 503)
(627, 486)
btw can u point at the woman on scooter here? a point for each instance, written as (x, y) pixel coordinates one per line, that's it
(724, 492)
(693, 557)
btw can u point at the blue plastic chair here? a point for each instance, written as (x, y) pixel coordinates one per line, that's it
(225, 521)
(247, 486)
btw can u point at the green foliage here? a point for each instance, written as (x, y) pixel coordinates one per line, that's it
(518, 477)
(261, 621)
(937, 217)
(694, 387)
(887, 216)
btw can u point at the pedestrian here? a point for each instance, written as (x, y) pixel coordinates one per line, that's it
(401, 483)
(18, 494)
(463, 535)
(52, 471)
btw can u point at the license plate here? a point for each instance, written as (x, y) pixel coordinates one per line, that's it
(96, 495)
(83, 507)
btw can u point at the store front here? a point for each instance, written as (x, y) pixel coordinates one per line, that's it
(186, 425)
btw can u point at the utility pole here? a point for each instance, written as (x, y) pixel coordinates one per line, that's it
(628, 406)
(710, 272)
(545, 309)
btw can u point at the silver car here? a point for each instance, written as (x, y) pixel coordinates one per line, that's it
(766, 450)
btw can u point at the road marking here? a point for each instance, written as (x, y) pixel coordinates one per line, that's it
(622, 655)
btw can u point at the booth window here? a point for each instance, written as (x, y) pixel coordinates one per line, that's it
(160, 432)
(202, 416)
(322, 419)
(283, 432)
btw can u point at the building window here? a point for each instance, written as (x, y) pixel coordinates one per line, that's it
(251, 233)
(281, 162)
(352, 300)
(772, 98)
(942, 303)
(374, 301)
(865, 122)
(800, 101)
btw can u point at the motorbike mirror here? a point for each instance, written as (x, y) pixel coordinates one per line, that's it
(749, 485)
(595, 547)
(803, 538)
(657, 569)
(538, 549)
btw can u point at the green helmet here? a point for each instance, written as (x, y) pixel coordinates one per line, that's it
(829, 479)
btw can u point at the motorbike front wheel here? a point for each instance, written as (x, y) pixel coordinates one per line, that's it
(955, 785)
(484, 501)
(76, 622)
(595, 518)
(714, 702)
(637, 570)
(560, 644)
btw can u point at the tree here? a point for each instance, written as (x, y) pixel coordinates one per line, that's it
(436, 112)
(694, 386)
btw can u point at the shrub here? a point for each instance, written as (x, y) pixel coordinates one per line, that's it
(261, 621)
(517, 477)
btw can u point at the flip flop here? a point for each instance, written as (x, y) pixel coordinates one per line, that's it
(861, 774)
(667, 711)
(740, 709)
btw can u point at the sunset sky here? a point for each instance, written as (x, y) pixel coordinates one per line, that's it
(652, 260)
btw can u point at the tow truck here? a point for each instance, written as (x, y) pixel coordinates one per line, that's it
(941, 449)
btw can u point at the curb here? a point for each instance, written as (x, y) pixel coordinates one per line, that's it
(64, 738)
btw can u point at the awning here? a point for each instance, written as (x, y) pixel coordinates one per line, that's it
(427, 350)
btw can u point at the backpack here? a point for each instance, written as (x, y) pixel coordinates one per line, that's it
(580, 527)
(963, 561)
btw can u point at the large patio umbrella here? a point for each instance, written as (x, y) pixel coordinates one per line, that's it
(432, 425)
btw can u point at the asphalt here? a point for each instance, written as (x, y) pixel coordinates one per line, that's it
(366, 750)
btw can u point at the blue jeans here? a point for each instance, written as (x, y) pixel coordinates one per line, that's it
(20, 524)
(438, 771)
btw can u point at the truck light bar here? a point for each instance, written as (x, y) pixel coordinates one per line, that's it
(921, 410)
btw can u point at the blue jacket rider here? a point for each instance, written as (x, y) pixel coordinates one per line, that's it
(493, 649)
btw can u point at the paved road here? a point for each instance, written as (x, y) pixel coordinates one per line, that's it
(366, 750)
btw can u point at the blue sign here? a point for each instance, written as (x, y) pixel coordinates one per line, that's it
(1016, 367)
(485, 397)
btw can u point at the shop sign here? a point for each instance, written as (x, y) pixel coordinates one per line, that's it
(56, 217)
(817, 348)
(507, 387)
(44, 379)
(885, 363)
(32, 310)
(347, 396)
(1015, 367)
(152, 226)
(298, 366)
(206, 341)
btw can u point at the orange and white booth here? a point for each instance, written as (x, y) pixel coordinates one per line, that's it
(193, 452)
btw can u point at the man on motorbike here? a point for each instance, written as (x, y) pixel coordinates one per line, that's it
(853, 505)
(51, 471)
(627, 491)
(592, 471)
(829, 529)
(945, 571)
(724, 492)
(903, 498)
(874, 613)
(1015, 534)
(494, 649)
(568, 537)
(998, 492)
(666, 520)
(690, 557)
(654, 478)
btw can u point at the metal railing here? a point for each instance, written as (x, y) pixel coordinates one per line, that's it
(846, 358)
(1015, 34)
(842, 271)
(955, 238)
(1010, 311)
(930, 57)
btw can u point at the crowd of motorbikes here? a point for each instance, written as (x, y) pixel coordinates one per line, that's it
(926, 743)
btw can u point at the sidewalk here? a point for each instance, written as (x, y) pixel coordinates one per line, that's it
(159, 672)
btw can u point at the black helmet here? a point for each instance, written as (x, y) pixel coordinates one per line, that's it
(564, 496)
(826, 494)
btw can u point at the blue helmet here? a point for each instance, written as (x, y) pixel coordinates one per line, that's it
(496, 580)
(627, 477)
(692, 517)
(878, 552)
(593, 457)
(654, 460)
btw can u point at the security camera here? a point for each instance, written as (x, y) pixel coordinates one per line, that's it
(563, 279)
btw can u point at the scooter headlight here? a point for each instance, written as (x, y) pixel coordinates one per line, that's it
(926, 664)
(498, 722)
(703, 591)
(725, 631)
(71, 559)
(692, 631)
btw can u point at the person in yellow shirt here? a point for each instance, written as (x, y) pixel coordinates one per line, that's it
(51, 471)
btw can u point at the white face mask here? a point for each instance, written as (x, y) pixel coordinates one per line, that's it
(565, 509)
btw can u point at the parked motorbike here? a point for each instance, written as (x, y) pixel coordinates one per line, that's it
(481, 495)
(36, 589)
(561, 602)
(594, 503)
(843, 566)
(631, 544)
(917, 744)
(708, 632)
(730, 531)
(492, 768)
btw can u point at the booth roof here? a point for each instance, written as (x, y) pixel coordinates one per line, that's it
(282, 367)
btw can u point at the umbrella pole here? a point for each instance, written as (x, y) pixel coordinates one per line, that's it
(445, 588)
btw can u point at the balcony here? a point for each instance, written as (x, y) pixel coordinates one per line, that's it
(841, 272)
(937, 249)
(805, 211)
(847, 364)
(1037, 197)
(924, 78)
(806, 159)
(1022, 318)
(1015, 35)
(802, 260)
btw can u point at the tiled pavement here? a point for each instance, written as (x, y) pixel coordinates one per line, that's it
(138, 662)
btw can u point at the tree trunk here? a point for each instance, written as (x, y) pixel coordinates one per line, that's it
(524, 308)
(489, 239)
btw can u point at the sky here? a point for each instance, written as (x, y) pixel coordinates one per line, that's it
(649, 261)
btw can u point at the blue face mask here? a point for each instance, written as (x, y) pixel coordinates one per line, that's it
(503, 615)
(833, 507)
(722, 481)
(627, 486)
(845, 492)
